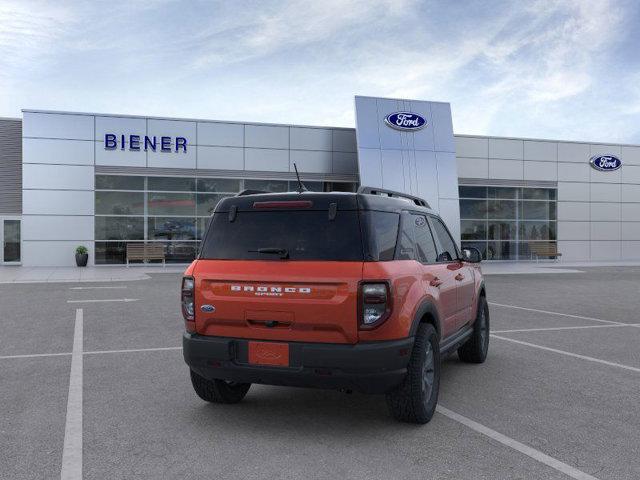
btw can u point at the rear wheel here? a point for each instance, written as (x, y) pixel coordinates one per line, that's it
(476, 348)
(218, 391)
(415, 399)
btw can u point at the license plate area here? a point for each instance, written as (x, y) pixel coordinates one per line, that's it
(269, 353)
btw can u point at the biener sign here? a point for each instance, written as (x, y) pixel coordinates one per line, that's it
(139, 142)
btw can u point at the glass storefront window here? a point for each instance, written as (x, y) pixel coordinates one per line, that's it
(167, 228)
(537, 230)
(267, 185)
(515, 218)
(11, 241)
(473, 209)
(501, 209)
(538, 194)
(119, 228)
(109, 253)
(502, 251)
(473, 230)
(119, 182)
(532, 210)
(502, 230)
(229, 185)
(173, 211)
(502, 192)
(119, 203)
(171, 184)
(472, 192)
(202, 223)
(207, 203)
(171, 204)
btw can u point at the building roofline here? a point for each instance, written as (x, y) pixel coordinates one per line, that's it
(180, 119)
(403, 99)
(548, 140)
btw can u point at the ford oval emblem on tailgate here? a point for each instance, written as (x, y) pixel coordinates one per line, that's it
(208, 308)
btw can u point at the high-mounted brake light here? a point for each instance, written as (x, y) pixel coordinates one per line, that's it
(187, 298)
(284, 204)
(375, 304)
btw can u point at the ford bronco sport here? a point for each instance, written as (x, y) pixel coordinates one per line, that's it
(353, 291)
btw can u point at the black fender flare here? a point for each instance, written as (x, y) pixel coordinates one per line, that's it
(482, 290)
(426, 307)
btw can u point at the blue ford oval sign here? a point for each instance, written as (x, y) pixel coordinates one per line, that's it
(605, 163)
(405, 121)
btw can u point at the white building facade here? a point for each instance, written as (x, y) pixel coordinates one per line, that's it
(104, 181)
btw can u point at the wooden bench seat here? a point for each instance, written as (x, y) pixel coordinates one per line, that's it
(145, 252)
(544, 249)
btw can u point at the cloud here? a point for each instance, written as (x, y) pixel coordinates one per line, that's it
(290, 24)
(508, 68)
(28, 29)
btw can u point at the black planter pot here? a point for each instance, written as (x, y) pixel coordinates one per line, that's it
(82, 259)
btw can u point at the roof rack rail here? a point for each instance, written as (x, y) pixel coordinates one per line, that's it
(250, 192)
(390, 193)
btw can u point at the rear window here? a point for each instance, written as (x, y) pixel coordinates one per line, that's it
(304, 234)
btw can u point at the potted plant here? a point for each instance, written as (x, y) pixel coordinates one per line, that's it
(82, 256)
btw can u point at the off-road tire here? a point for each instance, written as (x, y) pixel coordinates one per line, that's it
(476, 348)
(218, 391)
(414, 401)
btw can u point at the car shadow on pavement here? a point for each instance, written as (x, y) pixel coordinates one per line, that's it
(284, 409)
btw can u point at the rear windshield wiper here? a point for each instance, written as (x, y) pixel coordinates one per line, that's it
(283, 252)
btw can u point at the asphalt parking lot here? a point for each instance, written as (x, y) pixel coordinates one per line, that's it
(93, 382)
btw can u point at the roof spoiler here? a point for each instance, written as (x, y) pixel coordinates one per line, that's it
(390, 193)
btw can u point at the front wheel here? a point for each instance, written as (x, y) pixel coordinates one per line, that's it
(218, 391)
(415, 400)
(476, 348)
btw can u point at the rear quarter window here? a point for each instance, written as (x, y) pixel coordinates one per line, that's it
(381, 232)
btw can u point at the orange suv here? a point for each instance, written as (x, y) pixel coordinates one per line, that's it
(352, 291)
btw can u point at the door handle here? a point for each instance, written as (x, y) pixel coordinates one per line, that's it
(436, 282)
(459, 277)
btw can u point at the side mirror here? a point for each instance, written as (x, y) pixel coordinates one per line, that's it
(471, 255)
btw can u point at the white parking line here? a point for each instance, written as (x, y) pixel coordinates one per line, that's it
(114, 287)
(530, 452)
(72, 450)
(91, 352)
(556, 313)
(562, 352)
(125, 300)
(160, 349)
(565, 328)
(35, 355)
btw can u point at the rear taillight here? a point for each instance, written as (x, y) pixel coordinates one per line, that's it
(188, 307)
(375, 304)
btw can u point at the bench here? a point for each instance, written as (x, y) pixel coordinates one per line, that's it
(544, 249)
(145, 252)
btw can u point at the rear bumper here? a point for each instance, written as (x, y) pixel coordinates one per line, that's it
(372, 367)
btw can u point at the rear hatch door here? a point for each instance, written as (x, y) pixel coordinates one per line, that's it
(281, 267)
(271, 300)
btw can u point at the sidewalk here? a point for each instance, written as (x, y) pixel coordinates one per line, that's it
(526, 268)
(19, 274)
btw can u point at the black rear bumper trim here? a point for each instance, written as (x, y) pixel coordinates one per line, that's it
(371, 367)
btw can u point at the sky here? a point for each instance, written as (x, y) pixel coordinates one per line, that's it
(565, 69)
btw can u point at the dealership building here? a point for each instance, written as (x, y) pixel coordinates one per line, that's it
(106, 181)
